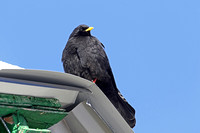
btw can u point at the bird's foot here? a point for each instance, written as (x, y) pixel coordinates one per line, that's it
(94, 81)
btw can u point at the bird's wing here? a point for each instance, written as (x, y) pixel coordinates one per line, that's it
(71, 59)
(102, 45)
(93, 59)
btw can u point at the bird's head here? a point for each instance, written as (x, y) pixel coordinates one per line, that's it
(81, 30)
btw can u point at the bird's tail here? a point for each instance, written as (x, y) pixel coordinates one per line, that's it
(126, 110)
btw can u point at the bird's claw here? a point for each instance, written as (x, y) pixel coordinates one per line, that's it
(94, 81)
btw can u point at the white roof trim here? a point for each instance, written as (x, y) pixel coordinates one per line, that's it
(4, 65)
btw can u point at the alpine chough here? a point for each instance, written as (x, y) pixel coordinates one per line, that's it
(84, 56)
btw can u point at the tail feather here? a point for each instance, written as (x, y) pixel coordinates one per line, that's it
(120, 103)
(126, 110)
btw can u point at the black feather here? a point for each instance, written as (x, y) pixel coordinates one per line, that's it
(84, 56)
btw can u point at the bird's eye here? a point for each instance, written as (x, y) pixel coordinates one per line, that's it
(84, 28)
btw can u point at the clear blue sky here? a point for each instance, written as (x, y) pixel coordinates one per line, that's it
(153, 48)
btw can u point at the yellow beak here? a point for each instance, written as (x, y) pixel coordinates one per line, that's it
(89, 29)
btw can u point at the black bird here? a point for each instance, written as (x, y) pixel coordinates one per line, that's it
(84, 56)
